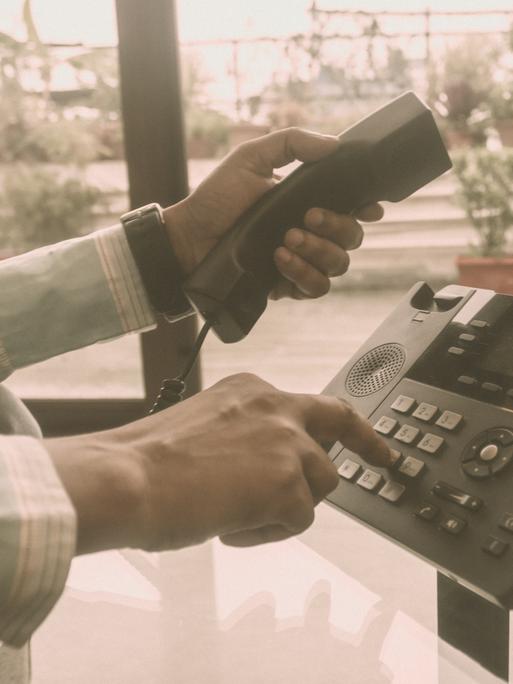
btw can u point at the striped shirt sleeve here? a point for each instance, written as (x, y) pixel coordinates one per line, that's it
(37, 537)
(67, 296)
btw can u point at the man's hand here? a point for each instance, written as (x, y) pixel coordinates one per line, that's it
(307, 258)
(240, 460)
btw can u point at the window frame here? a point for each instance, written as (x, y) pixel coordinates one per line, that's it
(156, 158)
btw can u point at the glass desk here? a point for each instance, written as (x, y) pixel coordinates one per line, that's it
(337, 604)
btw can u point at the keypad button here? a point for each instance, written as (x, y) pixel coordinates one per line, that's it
(427, 511)
(431, 444)
(491, 387)
(395, 456)
(449, 420)
(476, 470)
(370, 480)
(467, 337)
(407, 434)
(480, 325)
(456, 351)
(425, 412)
(335, 450)
(349, 469)
(392, 491)
(453, 525)
(501, 435)
(403, 404)
(507, 522)
(457, 496)
(385, 425)
(467, 380)
(411, 466)
(494, 546)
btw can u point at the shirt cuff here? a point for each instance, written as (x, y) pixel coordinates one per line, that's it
(37, 537)
(128, 292)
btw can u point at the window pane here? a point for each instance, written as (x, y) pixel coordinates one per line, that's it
(62, 167)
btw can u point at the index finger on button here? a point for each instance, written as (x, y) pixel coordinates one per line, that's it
(330, 418)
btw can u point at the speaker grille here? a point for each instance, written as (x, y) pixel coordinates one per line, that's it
(375, 369)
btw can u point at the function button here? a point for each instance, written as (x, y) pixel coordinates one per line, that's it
(467, 380)
(411, 466)
(452, 524)
(507, 522)
(425, 412)
(502, 461)
(456, 351)
(430, 443)
(489, 452)
(385, 425)
(491, 387)
(427, 511)
(395, 457)
(392, 491)
(370, 480)
(480, 325)
(407, 434)
(349, 469)
(403, 404)
(449, 420)
(501, 435)
(494, 546)
(335, 450)
(457, 496)
(467, 337)
(476, 470)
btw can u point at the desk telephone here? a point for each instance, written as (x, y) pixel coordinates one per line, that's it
(436, 381)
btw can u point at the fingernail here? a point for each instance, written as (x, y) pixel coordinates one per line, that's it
(393, 457)
(316, 218)
(284, 255)
(295, 238)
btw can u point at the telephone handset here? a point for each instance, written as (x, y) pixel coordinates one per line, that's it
(436, 381)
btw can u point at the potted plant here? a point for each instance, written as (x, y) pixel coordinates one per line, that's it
(485, 191)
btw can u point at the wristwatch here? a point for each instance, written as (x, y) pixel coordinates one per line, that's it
(149, 243)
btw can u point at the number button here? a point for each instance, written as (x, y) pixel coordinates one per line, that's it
(385, 426)
(425, 412)
(369, 480)
(411, 466)
(449, 420)
(403, 404)
(348, 469)
(407, 434)
(430, 443)
(392, 491)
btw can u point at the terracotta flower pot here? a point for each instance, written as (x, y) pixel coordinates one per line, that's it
(491, 273)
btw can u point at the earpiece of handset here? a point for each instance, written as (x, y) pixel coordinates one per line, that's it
(386, 156)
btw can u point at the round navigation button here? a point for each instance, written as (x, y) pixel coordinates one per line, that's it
(489, 452)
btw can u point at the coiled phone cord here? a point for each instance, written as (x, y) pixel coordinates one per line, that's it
(171, 391)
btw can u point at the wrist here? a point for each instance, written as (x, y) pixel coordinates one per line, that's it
(106, 484)
(178, 224)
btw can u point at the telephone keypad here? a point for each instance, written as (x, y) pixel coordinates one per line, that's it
(407, 434)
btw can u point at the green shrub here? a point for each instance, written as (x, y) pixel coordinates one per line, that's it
(38, 207)
(485, 192)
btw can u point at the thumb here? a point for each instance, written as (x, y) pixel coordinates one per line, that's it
(282, 147)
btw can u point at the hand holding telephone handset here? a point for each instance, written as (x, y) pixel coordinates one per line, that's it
(386, 156)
